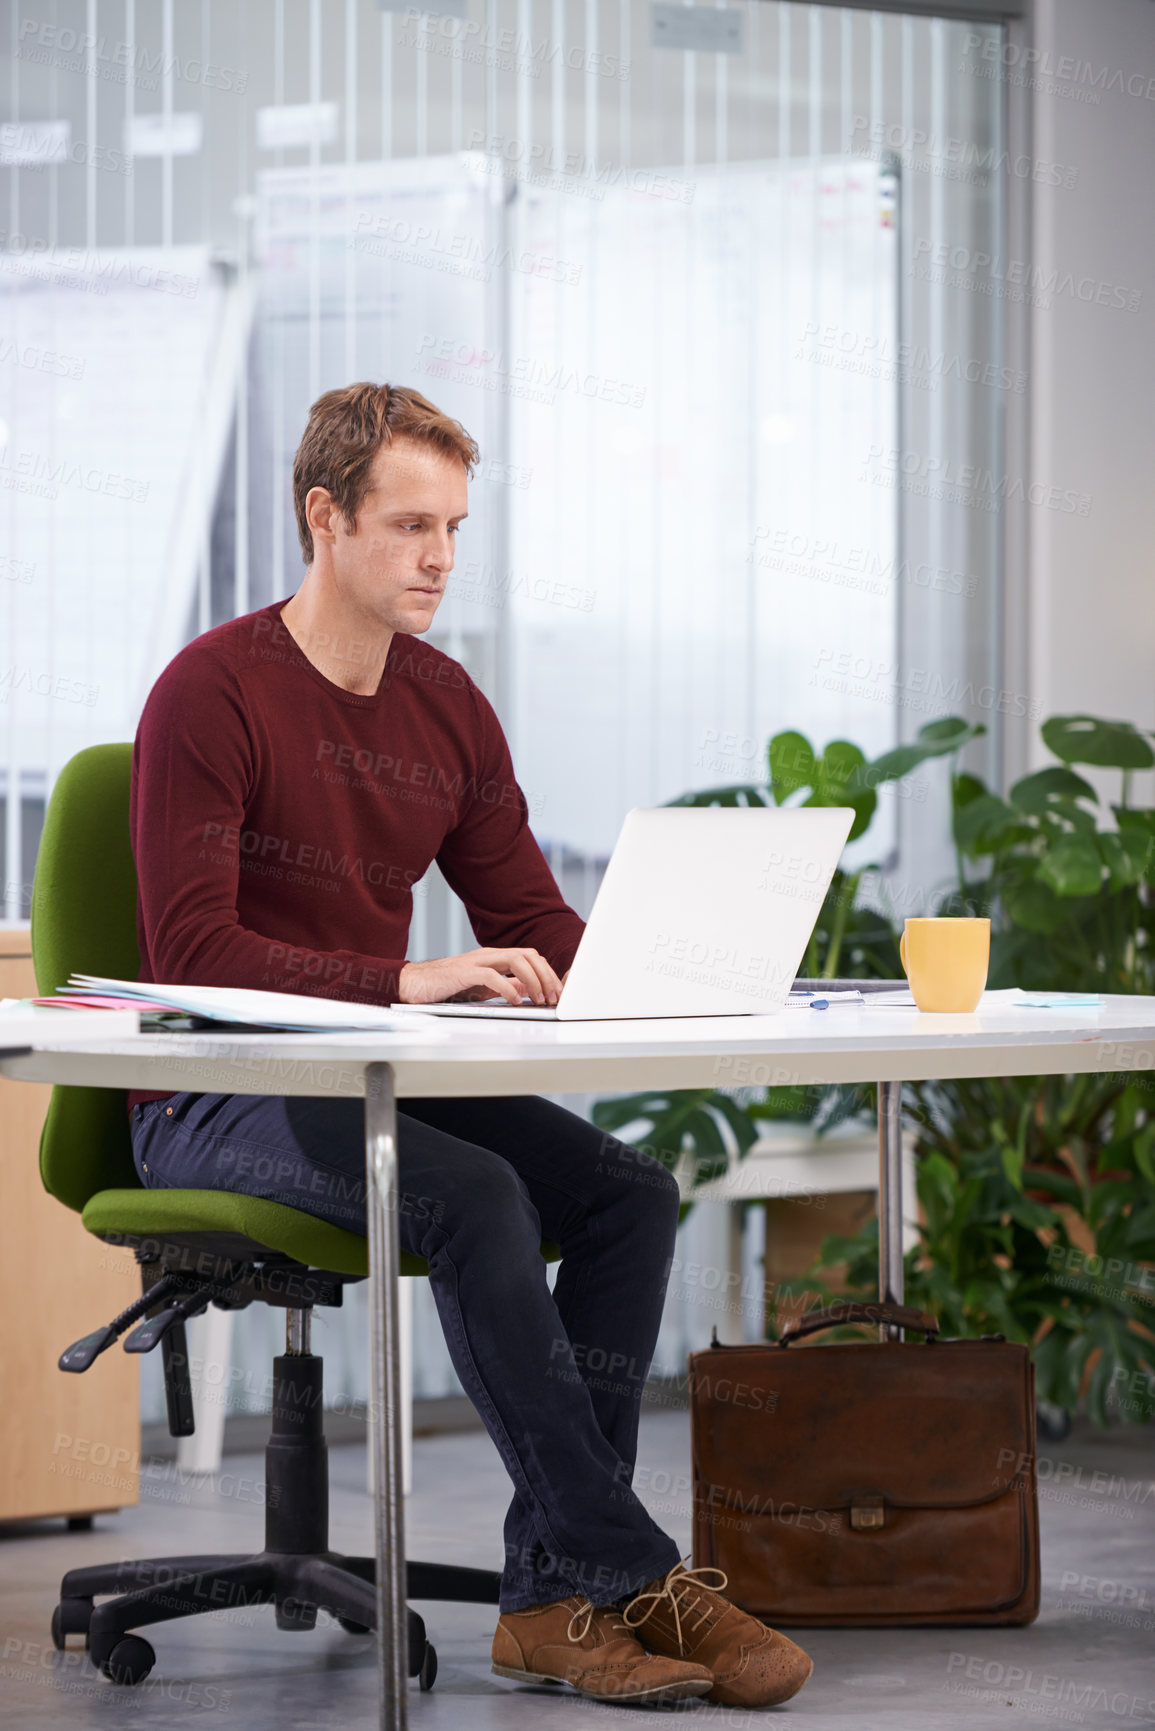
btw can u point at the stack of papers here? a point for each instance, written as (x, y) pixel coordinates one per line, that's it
(23, 1025)
(286, 1012)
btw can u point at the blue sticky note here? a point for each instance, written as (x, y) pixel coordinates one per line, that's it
(1058, 1000)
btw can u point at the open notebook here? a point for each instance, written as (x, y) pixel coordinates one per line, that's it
(286, 1012)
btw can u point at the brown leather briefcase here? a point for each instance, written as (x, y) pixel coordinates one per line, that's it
(868, 1484)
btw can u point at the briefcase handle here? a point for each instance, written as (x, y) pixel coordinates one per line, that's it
(857, 1310)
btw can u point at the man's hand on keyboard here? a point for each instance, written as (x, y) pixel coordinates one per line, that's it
(479, 974)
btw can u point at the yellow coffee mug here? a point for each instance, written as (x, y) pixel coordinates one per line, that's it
(946, 962)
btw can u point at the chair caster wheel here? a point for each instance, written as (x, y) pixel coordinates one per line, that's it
(428, 1672)
(353, 1628)
(71, 1617)
(130, 1661)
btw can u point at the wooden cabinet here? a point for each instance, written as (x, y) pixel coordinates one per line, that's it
(69, 1445)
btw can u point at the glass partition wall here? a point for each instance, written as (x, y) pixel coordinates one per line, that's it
(716, 291)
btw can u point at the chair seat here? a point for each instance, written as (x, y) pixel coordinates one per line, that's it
(227, 1223)
(231, 1224)
(211, 1218)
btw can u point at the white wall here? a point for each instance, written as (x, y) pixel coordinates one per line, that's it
(1091, 630)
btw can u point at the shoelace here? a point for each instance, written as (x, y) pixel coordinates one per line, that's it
(678, 1584)
(586, 1609)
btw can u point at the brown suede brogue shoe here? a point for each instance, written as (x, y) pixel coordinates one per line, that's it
(679, 1616)
(588, 1646)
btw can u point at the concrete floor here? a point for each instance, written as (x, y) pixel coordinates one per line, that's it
(1089, 1660)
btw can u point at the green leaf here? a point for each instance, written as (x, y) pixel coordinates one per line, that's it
(1068, 811)
(1079, 1350)
(1036, 794)
(666, 1112)
(622, 1109)
(1127, 1108)
(1143, 1148)
(1128, 818)
(1053, 1369)
(1035, 1216)
(840, 1103)
(792, 764)
(681, 1122)
(966, 789)
(832, 778)
(893, 765)
(987, 822)
(937, 1191)
(950, 732)
(1035, 907)
(1107, 744)
(835, 784)
(936, 739)
(1123, 860)
(702, 1133)
(1139, 850)
(1141, 854)
(835, 768)
(741, 1123)
(1012, 1159)
(1073, 867)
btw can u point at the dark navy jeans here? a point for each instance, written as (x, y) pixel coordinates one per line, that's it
(556, 1377)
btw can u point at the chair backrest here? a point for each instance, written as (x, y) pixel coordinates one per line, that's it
(84, 921)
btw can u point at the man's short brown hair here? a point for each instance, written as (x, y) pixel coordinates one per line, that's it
(346, 429)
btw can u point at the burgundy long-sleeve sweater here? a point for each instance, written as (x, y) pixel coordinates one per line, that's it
(279, 822)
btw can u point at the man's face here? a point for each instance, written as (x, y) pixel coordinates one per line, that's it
(394, 565)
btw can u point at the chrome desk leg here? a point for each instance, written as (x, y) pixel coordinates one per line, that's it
(385, 1397)
(890, 1270)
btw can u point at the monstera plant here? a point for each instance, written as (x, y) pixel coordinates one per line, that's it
(1037, 1195)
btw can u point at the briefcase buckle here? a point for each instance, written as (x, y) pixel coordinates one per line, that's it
(867, 1513)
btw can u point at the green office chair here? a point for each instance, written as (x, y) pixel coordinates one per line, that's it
(195, 1248)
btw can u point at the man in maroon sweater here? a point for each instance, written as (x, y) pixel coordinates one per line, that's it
(296, 771)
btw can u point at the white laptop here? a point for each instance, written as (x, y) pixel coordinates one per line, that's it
(703, 911)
